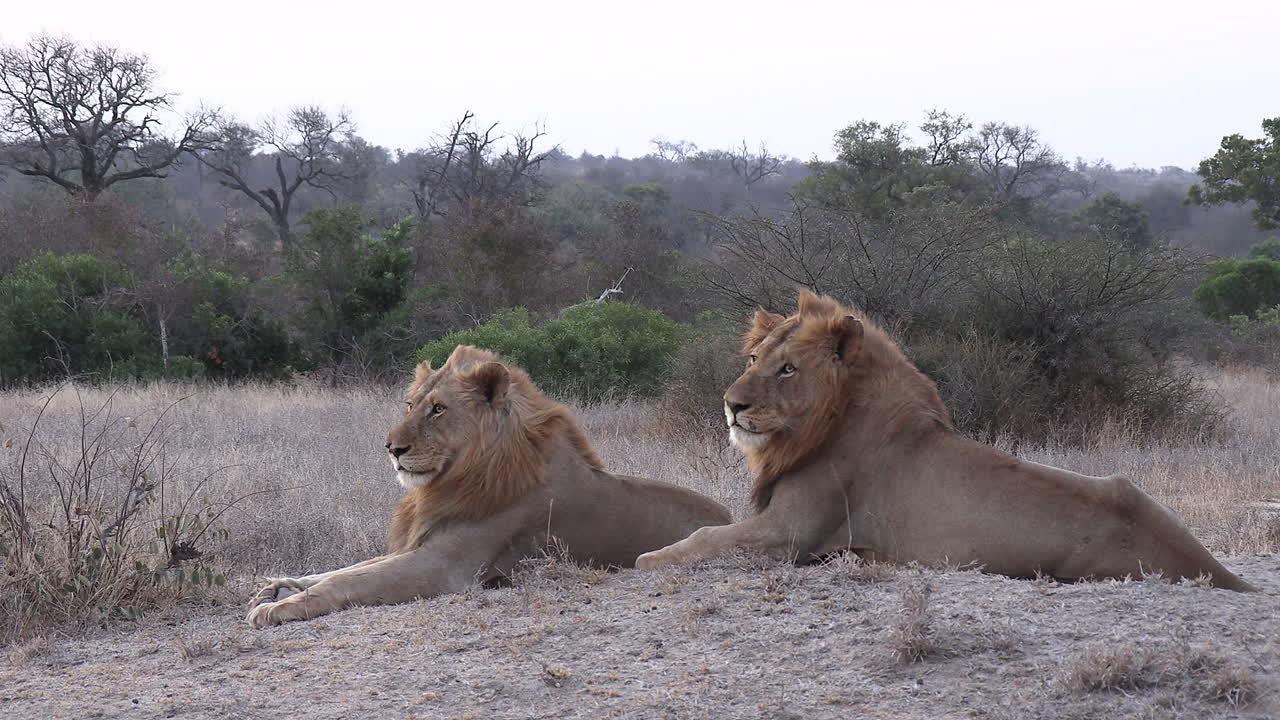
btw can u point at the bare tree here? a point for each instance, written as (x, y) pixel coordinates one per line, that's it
(305, 150)
(894, 266)
(464, 170)
(429, 169)
(752, 167)
(675, 151)
(1012, 158)
(86, 118)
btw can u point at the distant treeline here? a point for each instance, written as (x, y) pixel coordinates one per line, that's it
(1038, 292)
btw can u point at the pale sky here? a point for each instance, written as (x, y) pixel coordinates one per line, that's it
(1137, 83)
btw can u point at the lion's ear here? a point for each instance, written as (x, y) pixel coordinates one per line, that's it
(762, 324)
(491, 381)
(811, 304)
(847, 332)
(807, 301)
(421, 374)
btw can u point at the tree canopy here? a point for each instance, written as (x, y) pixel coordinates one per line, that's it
(1244, 170)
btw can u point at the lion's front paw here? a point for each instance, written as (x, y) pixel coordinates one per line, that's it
(276, 590)
(260, 616)
(655, 559)
(267, 614)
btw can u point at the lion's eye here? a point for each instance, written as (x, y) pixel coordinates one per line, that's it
(751, 360)
(437, 409)
(787, 370)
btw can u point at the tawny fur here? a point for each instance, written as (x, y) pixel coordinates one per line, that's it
(809, 334)
(502, 460)
(497, 471)
(853, 449)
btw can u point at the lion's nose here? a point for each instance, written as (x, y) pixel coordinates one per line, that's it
(736, 408)
(397, 451)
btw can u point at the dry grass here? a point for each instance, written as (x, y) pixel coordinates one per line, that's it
(296, 477)
(1216, 487)
(1129, 666)
(911, 637)
(307, 468)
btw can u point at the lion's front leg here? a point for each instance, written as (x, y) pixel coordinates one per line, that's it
(795, 524)
(286, 599)
(755, 533)
(704, 543)
(447, 562)
(280, 588)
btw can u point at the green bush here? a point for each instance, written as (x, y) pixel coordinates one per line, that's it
(1268, 249)
(217, 326)
(58, 315)
(1239, 287)
(348, 282)
(1253, 340)
(1112, 217)
(592, 352)
(705, 366)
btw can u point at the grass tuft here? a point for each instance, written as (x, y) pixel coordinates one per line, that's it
(911, 636)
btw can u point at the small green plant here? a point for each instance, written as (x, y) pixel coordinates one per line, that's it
(1270, 316)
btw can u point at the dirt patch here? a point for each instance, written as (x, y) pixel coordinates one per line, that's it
(740, 638)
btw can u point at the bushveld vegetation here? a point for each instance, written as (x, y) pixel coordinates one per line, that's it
(1058, 306)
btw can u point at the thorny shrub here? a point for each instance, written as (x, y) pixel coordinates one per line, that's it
(97, 530)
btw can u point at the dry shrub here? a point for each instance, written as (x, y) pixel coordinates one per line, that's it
(911, 637)
(1217, 677)
(995, 386)
(705, 366)
(989, 385)
(24, 652)
(1128, 666)
(194, 647)
(555, 569)
(1107, 667)
(93, 528)
(847, 567)
(1100, 321)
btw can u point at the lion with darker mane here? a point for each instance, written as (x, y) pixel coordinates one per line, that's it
(494, 469)
(853, 449)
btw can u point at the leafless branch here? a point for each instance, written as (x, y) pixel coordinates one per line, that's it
(87, 118)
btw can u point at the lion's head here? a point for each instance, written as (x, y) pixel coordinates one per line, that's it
(475, 436)
(445, 413)
(803, 373)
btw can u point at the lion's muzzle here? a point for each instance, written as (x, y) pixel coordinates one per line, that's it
(743, 432)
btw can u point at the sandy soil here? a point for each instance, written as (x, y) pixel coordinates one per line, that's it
(743, 637)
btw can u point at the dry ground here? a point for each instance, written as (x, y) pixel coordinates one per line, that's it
(738, 638)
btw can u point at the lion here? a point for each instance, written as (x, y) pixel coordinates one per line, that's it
(494, 470)
(853, 450)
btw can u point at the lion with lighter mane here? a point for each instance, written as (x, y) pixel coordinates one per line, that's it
(494, 469)
(853, 449)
